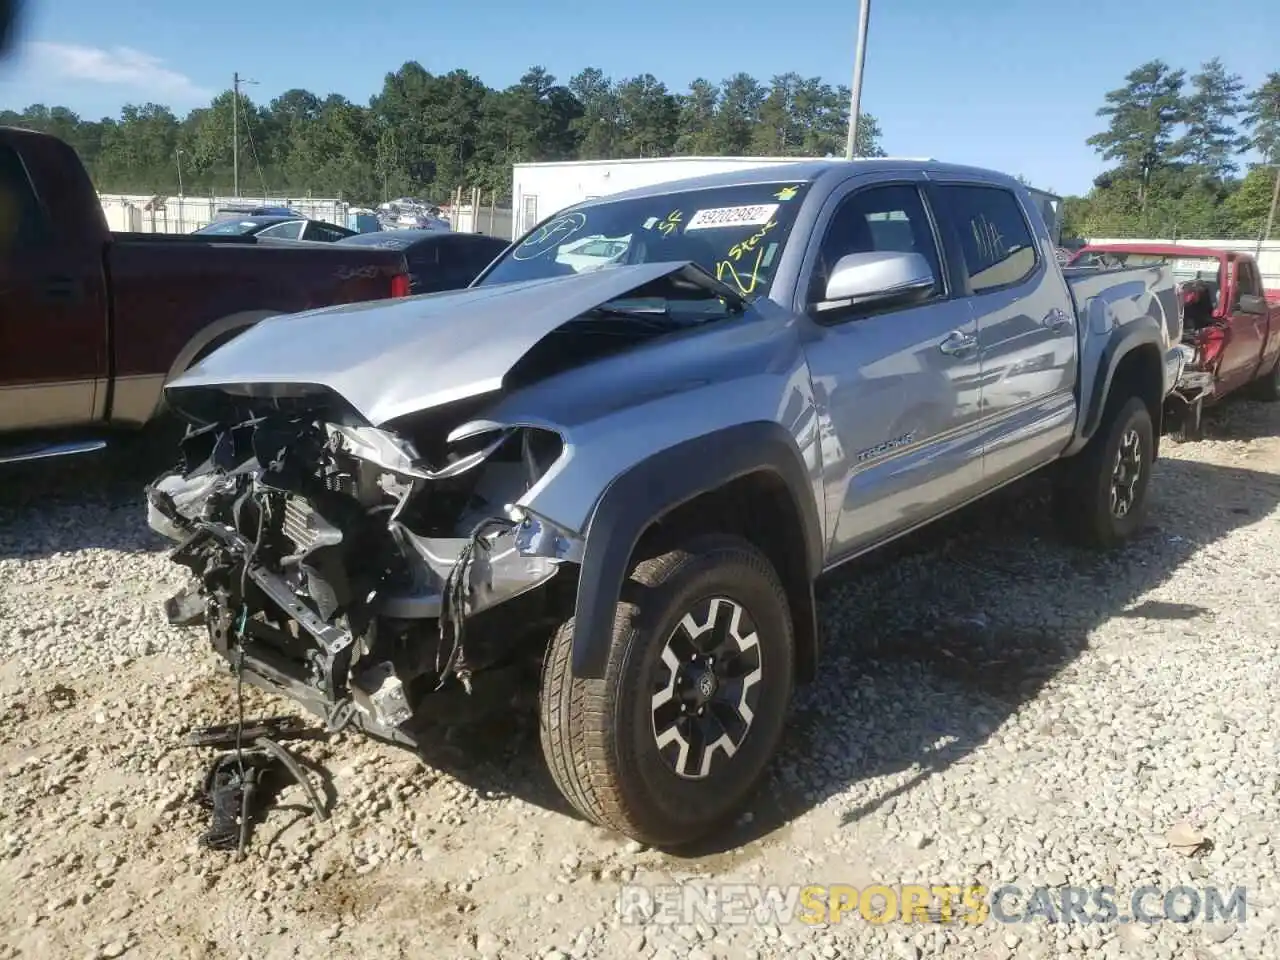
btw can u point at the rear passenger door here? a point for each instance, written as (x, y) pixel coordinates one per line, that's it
(895, 388)
(1026, 327)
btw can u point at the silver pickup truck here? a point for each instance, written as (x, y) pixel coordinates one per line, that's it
(622, 476)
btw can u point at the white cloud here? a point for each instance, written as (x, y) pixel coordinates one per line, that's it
(119, 66)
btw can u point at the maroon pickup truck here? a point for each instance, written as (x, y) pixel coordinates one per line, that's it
(92, 323)
(1231, 324)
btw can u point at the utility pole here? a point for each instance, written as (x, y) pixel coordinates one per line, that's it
(235, 131)
(855, 94)
(1275, 200)
(236, 80)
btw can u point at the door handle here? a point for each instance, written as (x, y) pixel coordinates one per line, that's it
(957, 344)
(61, 288)
(1056, 319)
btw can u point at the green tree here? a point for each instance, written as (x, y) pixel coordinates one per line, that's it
(1143, 117)
(1262, 118)
(1212, 138)
(428, 134)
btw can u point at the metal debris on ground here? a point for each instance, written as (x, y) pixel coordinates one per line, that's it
(241, 782)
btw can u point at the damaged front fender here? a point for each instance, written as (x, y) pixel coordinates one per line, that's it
(345, 569)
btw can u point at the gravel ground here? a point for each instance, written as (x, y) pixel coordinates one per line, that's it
(993, 707)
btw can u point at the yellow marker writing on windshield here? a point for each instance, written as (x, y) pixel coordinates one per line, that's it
(738, 249)
(746, 284)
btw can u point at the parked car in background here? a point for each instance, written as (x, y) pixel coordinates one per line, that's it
(234, 212)
(92, 323)
(626, 480)
(1231, 324)
(276, 226)
(437, 261)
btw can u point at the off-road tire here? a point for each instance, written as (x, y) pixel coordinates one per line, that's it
(1082, 495)
(598, 735)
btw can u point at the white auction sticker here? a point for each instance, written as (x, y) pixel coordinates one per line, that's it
(750, 216)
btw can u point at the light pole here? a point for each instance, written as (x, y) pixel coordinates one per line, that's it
(855, 92)
(177, 158)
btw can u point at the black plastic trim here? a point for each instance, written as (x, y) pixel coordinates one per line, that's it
(1123, 342)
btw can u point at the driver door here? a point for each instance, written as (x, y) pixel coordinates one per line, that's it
(1247, 331)
(900, 387)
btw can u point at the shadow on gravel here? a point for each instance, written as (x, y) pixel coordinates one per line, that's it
(1239, 418)
(84, 502)
(930, 647)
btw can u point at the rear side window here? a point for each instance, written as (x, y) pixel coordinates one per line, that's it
(999, 249)
(324, 232)
(21, 217)
(1247, 279)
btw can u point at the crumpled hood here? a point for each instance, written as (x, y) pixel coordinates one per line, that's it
(387, 358)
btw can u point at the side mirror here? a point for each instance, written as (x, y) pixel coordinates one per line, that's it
(875, 279)
(1247, 303)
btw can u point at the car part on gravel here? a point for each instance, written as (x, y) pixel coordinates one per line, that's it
(238, 785)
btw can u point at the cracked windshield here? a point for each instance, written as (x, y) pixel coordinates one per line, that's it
(668, 481)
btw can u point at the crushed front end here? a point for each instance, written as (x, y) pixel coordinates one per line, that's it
(371, 583)
(1204, 337)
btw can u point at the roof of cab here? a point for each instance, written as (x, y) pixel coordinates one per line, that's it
(808, 171)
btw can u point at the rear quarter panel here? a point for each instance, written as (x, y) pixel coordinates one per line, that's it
(1117, 310)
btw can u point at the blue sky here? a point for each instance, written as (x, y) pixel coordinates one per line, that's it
(1010, 84)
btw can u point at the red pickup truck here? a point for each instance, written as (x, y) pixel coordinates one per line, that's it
(1231, 324)
(92, 323)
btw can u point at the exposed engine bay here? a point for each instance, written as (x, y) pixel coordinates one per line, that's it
(345, 570)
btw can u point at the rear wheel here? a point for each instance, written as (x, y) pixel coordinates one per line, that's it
(669, 745)
(1101, 497)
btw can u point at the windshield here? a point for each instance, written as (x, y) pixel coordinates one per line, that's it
(735, 233)
(230, 228)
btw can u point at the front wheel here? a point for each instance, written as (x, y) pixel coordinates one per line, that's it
(1101, 498)
(669, 745)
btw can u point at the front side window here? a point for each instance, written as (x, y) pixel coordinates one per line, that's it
(874, 220)
(999, 249)
(736, 233)
(287, 231)
(21, 217)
